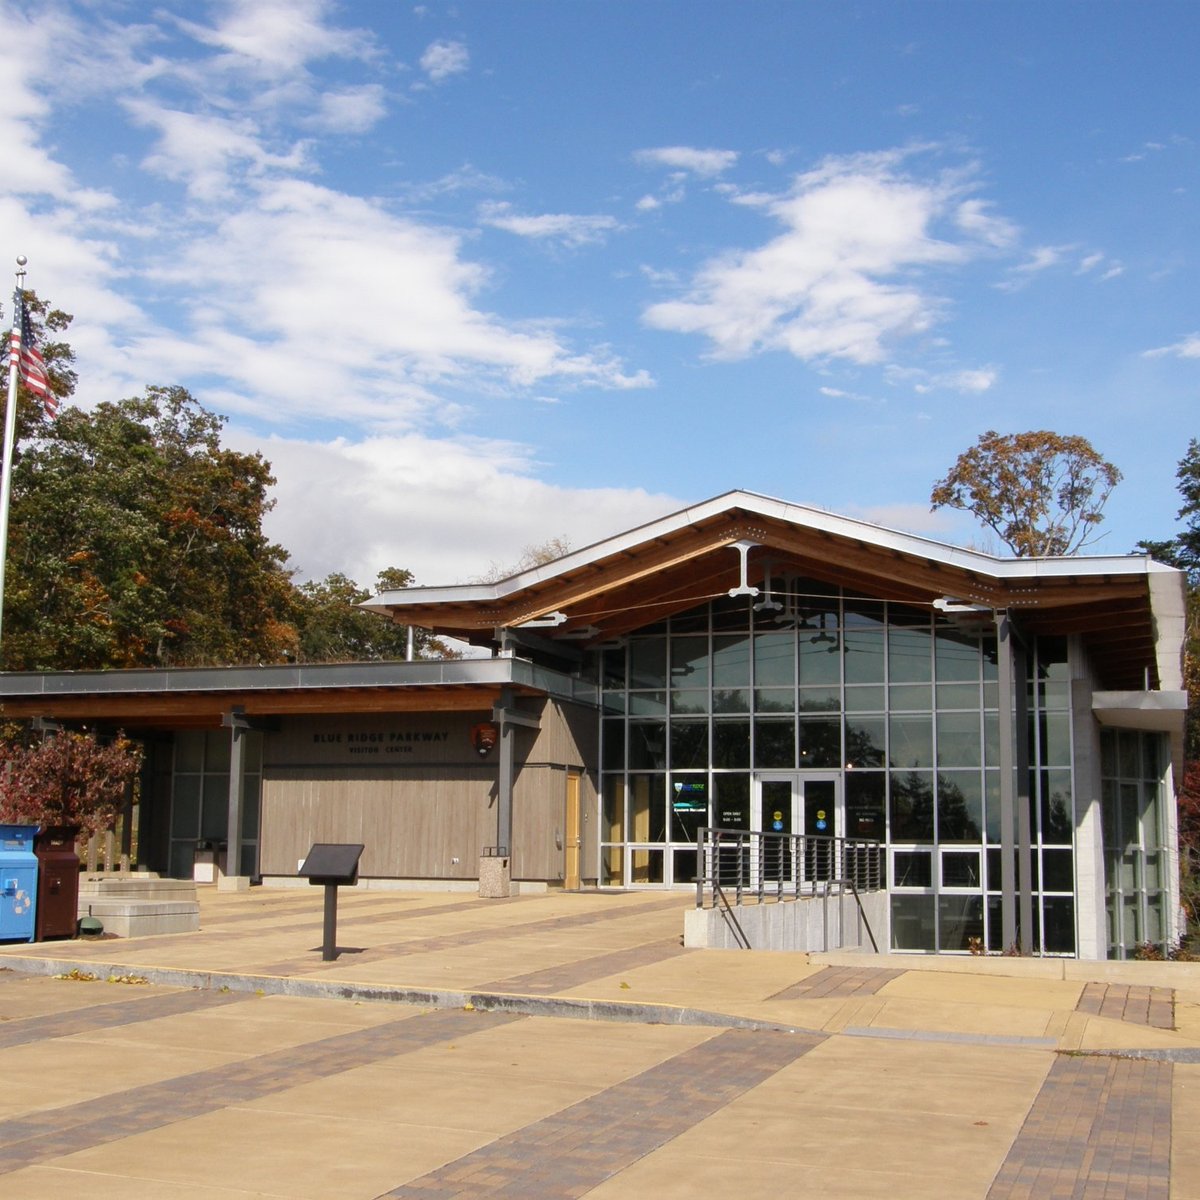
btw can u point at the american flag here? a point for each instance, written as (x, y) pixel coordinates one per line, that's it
(27, 358)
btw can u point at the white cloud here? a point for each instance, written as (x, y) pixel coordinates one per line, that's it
(442, 59)
(569, 229)
(349, 109)
(907, 518)
(1188, 347)
(205, 152)
(840, 394)
(28, 54)
(841, 280)
(387, 301)
(1040, 258)
(276, 38)
(970, 381)
(705, 163)
(974, 217)
(445, 509)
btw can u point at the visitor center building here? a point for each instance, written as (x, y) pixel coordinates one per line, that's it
(1010, 730)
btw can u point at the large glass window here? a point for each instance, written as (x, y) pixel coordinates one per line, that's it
(901, 703)
(1134, 839)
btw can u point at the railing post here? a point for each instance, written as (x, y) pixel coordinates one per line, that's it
(700, 871)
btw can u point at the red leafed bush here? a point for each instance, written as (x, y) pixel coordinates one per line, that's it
(67, 779)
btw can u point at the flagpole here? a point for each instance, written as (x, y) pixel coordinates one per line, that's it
(10, 429)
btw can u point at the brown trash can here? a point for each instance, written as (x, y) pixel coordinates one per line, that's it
(58, 882)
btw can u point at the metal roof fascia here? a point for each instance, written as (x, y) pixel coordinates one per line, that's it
(477, 672)
(1007, 569)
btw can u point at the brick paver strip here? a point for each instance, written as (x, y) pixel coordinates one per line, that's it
(472, 937)
(52, 1133)
(838, 983)
(126, 1011)
(575, 974)
(575, 1150)
(1153, 1006)
(1100, 1128)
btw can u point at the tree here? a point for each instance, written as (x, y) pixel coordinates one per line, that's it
(1040, 492)
(136, 539)
(67, 779)
(534, 555)
(58, 356)
(333, 628)
(1183, 551)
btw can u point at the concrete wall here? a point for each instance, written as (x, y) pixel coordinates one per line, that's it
(809, 923)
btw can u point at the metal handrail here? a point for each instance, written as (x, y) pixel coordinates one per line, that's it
(782, 865)
(735, 926)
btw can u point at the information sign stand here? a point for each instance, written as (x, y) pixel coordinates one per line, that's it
(331, 865)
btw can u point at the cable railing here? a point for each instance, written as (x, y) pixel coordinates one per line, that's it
(755, 867)
(758, 868)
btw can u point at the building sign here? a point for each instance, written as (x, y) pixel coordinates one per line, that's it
(374, 740)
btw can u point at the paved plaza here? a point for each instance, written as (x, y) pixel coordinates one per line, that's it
(567, 1045)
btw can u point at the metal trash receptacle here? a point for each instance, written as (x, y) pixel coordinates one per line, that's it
(57, 882)
(18, 883)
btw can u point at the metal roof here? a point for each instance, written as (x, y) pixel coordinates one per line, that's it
(1128, 608)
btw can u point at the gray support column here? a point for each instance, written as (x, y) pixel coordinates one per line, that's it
(1024, 814)
(509, 718)
(1007, 749)
(508, 737)
(238, 727)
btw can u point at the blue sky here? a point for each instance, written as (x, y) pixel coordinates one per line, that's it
(477, 275)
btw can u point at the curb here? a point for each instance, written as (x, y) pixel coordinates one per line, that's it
(576, 1008)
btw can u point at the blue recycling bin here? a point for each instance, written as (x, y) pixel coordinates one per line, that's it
(18, 883)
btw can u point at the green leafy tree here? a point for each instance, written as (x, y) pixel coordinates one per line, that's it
(67, 779)
(59, 357)
(1183, 551)
(1040, 492)
(136, 539)
(332, 628)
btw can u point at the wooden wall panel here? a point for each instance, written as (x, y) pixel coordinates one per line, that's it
(413, 790)
(570, 735)
(539, 793)
(409, 828)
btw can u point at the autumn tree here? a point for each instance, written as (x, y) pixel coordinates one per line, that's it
(1040, 492)
(47, 323)
(537, 554)
(136, 539)
(67, 779)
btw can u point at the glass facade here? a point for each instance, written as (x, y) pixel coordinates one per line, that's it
(200, 797)
(893, 712)
(1135, 853)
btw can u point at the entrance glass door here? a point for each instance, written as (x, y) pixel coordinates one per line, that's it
(797, 802)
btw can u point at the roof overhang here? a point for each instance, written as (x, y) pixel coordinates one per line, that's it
(1157, 712)
(1127, 608)
(199, 697)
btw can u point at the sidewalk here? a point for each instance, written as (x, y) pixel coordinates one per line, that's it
(567, 1045)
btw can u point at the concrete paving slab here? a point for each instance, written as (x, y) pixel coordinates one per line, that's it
(57, 1183)
(98, 1103)
(290, 1155)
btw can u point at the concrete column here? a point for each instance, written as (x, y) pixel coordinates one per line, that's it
(1008, 880)
(238, 728)
(1024, 822)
